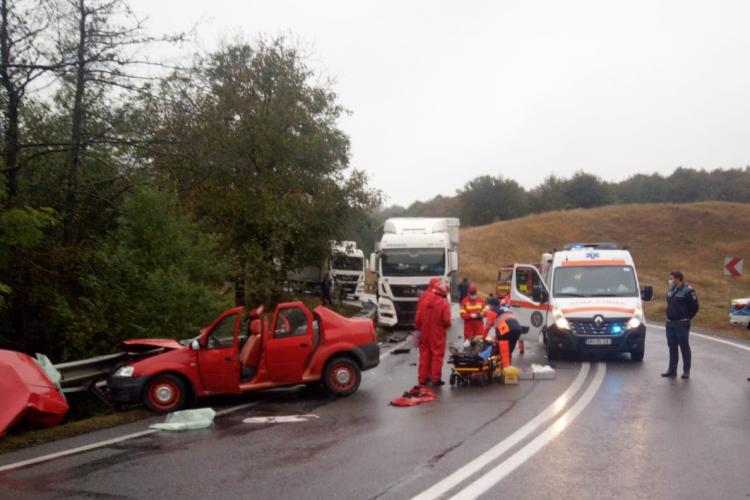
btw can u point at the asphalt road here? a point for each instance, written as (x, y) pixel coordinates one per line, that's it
(604, 428)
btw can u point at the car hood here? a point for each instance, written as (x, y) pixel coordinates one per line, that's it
(142, 345)
(588, 307)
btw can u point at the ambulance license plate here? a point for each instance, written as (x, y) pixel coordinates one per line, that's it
(598, 341)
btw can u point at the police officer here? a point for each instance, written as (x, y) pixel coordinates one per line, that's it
(682, 306)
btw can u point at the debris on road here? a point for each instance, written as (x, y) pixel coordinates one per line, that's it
(415, 396)
(286, 419)
(27, 392)
(185, 420)
(543, 372)
(402, 350)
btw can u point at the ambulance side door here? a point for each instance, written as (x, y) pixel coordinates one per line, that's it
(531, 311)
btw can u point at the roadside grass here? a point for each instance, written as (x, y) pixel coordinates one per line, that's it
(693, 238)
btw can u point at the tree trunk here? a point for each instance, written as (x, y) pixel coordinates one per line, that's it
(10, 153)
(76, 135)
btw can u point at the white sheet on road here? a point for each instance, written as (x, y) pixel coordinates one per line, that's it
(184, 420)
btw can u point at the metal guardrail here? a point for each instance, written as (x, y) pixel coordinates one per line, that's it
(82, 375)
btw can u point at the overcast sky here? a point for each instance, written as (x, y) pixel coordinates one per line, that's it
(441, 92)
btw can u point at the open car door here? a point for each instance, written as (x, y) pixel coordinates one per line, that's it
(531, 313)
(218, 357)
(290, 343)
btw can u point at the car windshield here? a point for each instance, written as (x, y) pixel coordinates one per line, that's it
(344, 263)
(413, 262)
(595, 281)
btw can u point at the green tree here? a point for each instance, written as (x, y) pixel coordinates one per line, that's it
(487, 199)
(157, 274)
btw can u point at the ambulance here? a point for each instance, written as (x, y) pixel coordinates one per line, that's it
(585, 298)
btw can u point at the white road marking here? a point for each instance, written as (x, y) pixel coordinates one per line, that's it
(282, 419)
(503, 446)
(706, 337)
(102, 444)
(499, 472)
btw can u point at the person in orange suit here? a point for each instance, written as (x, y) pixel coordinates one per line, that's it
(471, 312)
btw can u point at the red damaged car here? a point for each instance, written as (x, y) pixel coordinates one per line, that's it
(239, 353)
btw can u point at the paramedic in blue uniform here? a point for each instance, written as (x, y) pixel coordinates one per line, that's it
(682, 306)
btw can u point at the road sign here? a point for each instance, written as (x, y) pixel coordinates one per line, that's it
(733, 266)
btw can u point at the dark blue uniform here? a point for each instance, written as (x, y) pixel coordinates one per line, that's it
(682, 306)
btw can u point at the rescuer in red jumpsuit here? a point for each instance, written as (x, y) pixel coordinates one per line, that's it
(471, 312)
(433, 319)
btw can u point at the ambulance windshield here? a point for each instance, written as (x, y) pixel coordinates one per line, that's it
(595, 281)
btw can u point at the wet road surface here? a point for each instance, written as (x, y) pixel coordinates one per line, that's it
(621, 432)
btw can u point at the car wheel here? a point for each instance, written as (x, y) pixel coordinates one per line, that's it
(165, 393)
(637, 356)
(342, 376)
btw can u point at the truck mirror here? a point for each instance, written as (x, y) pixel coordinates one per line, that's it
(374, 263)
(453, 258)
(195, 345)
(647, 293)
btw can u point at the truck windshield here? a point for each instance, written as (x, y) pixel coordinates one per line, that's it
(595, 281)
(413, 262)
(344, 263)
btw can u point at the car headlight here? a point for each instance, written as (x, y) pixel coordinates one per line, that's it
(636, 320)
(560, 321)
(125, 371)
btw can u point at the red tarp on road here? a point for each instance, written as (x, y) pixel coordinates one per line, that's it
(27, 392)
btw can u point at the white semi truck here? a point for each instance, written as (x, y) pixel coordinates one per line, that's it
(346, 263)
(411, 252)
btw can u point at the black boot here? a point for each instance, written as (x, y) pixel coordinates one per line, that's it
(669, 374)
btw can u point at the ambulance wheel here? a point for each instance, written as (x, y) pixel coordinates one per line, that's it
(637, 356)
(453, 379)
(342, 376)
(553, 352)
(165, 393)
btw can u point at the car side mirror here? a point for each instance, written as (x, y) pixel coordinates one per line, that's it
(647, 293)
(195, 345)
(538, 294)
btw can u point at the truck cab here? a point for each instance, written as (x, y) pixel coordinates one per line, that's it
(410, 253)
(347, 266)
(585, 298)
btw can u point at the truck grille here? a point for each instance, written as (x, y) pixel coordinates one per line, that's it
(610, 326)
(406, 312)
(347, 277)
(411, 291)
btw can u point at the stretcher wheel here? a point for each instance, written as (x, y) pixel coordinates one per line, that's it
(453, 379)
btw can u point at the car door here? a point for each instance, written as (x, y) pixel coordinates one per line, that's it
(218, 358)
(290, 343)
(530, 313)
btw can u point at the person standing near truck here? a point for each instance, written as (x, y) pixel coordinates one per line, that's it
(682, 306)
(326, 286)
(432, 320)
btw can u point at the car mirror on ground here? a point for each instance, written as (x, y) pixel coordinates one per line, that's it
(647, 293)
(195, 345)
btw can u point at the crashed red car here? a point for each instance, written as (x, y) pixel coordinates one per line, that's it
(239, 353)
(27, 393)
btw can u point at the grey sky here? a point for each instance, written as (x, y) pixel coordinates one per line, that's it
(441, 92)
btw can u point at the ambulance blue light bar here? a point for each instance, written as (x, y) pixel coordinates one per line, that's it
(578, 246)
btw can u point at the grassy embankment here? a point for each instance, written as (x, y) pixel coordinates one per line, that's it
(87, 414)
(693, 238)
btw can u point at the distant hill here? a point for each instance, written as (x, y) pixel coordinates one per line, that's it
(693, 238)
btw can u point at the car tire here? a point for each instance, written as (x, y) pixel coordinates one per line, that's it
(342, 376)
(637, 356)
(165, 393)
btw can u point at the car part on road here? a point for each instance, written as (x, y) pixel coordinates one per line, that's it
(184, 420)
(285, 419)
(417, 395)
(27, 393)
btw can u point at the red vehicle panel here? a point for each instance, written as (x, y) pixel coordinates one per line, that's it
(240, 351)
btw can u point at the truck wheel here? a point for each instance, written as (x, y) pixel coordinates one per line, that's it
(341, 377)
(165, 393)
(637, 356)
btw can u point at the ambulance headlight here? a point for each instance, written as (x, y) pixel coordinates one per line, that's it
(636, 320)
(560, 321)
